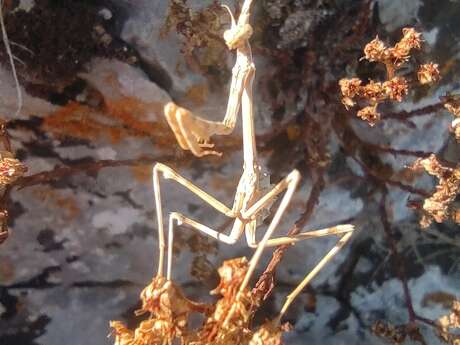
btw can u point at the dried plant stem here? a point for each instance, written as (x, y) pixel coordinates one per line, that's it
(60, 172)
(265, 283)
(404, 115)
(398, 261)
(369, 171)
(400, 268)
(393, 151)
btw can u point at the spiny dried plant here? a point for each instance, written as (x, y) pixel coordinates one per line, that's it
(450, 322)
(438, 207)
(396, 87)
(168, 310)
(452, 104)
(226, 322)
(11, 170)
(200, 30)
(447, 329)
(435, 207)
(397, 335)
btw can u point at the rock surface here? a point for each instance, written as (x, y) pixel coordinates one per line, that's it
(82, 248)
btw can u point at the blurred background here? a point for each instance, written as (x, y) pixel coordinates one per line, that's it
(94, 77)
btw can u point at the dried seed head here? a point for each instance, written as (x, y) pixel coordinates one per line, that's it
(348, 102)
(456, 129)
(153, 332)
(432, 166)
(396, 88)
(437, 206)
(10, 169)
(350, 87)
(411, 38)
(369, 114)
(398, 55)
(428, 73)
(396, 334)
(269, 333)
(229, 324)
(163, 298)
(123, 336)
(373, 91)
(169, 312)
(375, 50)
(450, 322)
(453, 108)
(232, 273)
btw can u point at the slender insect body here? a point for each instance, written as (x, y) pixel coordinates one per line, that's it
(254, 196)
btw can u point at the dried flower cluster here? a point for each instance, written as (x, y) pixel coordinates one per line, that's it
(452, 105)
(227, 322)
(10, 169)
(393, 57)
(395, 88)
(397, 335)
(449, 322)
(169, 311)
(200, 29)
(428, 73)
(438, 207)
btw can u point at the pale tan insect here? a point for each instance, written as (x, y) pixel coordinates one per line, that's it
(193, 133)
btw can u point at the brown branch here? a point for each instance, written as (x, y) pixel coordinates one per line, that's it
(404, 115)
(388, 181)
(383, 180)
(403, 186)
(61, 171)
(390, 150)
(400, 270)
(265, 283)
(397, 259)
(353, 138)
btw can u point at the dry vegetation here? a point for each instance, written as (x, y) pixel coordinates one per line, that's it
(167, 309)
(169, 312)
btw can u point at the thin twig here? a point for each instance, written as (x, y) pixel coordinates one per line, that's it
(404, 115)
(397, 259)
(60, 172)
(379, 178)
(265, 283)
(390, 150)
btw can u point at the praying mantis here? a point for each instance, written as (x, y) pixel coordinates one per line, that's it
(193, 133)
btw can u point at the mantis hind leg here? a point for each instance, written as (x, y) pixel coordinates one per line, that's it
(168, 173)
(288, 184)
(176, 218)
